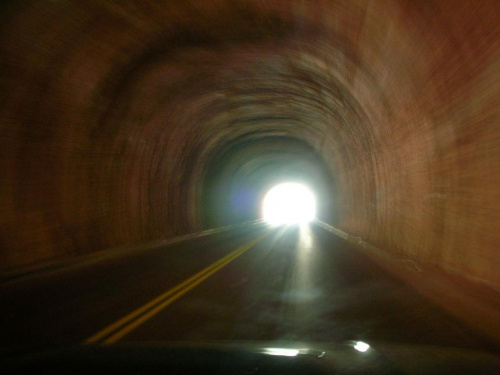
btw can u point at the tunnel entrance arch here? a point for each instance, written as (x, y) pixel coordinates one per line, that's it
(240, 174)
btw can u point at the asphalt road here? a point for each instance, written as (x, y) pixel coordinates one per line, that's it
(246, 284)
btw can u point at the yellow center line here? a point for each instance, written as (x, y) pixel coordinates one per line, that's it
(143, 313)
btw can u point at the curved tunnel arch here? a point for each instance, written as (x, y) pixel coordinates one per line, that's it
(125, 123)
(240, 175)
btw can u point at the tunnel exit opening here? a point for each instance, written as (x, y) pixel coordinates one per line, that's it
(289, 203)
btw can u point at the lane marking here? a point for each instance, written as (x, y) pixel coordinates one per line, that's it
(131, 321)
(113, 327)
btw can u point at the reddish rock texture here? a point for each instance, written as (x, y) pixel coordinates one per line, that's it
(123, 122)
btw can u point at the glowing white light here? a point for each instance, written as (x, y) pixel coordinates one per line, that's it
(281, 351)
(289, 203)
(361, 346)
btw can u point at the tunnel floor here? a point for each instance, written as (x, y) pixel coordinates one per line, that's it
(287, 284)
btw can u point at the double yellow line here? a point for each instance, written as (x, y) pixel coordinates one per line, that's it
(128, 323)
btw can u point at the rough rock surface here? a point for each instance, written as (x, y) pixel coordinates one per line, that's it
(128, 121)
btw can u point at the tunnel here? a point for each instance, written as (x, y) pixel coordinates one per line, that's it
(129, 122)
(123, 123)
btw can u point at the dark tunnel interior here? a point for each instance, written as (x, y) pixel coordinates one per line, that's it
(237, 180)
(126, 122)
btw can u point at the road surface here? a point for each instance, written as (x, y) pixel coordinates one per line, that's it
(252, 283)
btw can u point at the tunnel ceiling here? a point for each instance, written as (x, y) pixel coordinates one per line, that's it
(124, 122)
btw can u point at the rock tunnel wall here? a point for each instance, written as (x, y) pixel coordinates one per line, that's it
(117, 117)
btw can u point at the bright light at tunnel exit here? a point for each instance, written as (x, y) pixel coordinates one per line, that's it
(289, 203)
